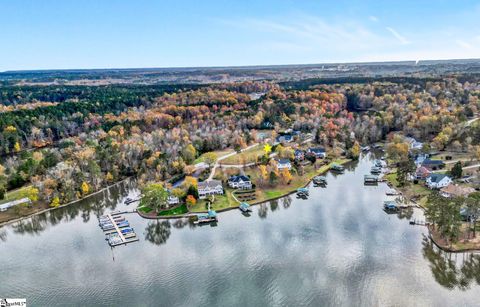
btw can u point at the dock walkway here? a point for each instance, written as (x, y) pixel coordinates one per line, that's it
(119, 232)
(115, 236)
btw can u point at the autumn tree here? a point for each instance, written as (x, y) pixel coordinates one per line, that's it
(210, 158)
(30, 192)
(85, 188)
(154, 196)
(55, 202)
(355, 151)
(190, 200)
(286, 176)
(398, 149)
(189, 153)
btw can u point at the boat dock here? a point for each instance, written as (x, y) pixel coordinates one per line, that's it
(117, 230)
(209, 217)
(418, 222)
(370, 179)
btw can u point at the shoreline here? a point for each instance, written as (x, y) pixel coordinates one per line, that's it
(18, 219)
(431, 234)
(255, 203)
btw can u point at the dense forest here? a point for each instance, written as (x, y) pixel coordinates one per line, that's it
(69, 141)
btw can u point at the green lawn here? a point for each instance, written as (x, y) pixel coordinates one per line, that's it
(219, 153)
(13, 195)
(392, 178)
(182, 209)
(249, 156)
(419, 189)
(220, 202)
(144, 209)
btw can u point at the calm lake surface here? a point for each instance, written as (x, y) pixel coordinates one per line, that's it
(336, 248)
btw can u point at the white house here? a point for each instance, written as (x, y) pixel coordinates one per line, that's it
(319, 152)
(438, 181)
(173, 200)
(414, 144)
(284, 163)
(240, 182)
(211, 187)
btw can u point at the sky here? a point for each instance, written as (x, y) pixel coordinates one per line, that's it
(80, 34)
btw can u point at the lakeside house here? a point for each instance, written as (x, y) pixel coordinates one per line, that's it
(5, 206)
(286, 138)
(173, 200)
(284, 163)
(240, 182)
(438, 181)
(420, 158)
(211, 187)
(453, 190)
(413, 143)
(433, 164)
(422, 173)
(319, 152)
(299, 155)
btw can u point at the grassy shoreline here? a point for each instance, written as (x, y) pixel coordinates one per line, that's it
(267, 194)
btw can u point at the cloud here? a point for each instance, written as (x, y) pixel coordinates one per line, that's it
(398, 36)
(373, 18)
(463, 44)
(311, 39)
(311, 33)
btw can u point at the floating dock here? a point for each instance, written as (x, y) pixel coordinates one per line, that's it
(209, 217)
(370, 179)
(117, 229)
(244, 207)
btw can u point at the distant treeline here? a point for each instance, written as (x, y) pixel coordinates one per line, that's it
(308, 83)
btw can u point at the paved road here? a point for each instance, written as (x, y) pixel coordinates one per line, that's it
(217, 164)
(214, 168)
(463, 168)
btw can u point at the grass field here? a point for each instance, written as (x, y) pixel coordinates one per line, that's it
(392, 178)
(220, 202)
(13, 195)
(182, 209)
(247, 156)
(218, 152)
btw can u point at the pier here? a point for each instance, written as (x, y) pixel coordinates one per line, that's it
(121, 233)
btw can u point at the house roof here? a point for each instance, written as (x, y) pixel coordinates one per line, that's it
(283, 161)
(422, 170)
(239, 178)
(299, 151)
(457, 190)
(435, 178)
(209, 184)
(286, 137)
(432, 162)
(317, 150)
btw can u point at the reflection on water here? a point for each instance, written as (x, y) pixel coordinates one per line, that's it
(95, 205)
(452, 270)
(338, 247)
(158, 232)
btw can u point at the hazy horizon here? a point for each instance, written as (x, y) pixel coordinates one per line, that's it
(239, 66)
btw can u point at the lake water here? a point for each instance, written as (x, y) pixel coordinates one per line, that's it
(336, 248)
